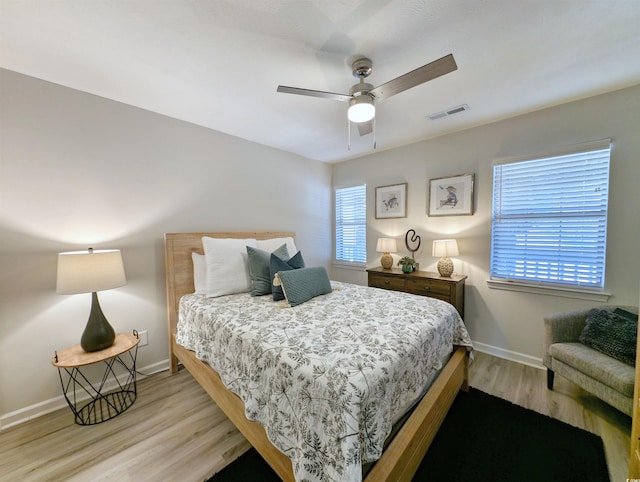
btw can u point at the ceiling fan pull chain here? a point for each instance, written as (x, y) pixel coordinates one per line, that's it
(374, 132)
(348, 134)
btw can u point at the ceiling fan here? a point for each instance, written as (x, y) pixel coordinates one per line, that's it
(363, 97)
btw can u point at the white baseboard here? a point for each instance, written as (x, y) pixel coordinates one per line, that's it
(509, 355)
(27, 413)
(37, 410)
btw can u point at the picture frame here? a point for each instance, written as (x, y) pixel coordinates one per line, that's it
(451, 196)
(391, 201)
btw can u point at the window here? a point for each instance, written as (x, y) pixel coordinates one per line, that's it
(550, 219)
(351, 225)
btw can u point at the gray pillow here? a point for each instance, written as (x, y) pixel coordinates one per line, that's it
(303, 284)
(277, 264)
(260, 268)
(611, 334)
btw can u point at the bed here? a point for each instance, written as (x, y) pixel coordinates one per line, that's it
(403, 454)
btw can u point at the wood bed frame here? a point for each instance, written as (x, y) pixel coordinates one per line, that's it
(401, 458)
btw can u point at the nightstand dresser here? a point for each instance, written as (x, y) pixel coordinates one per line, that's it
(422, 283)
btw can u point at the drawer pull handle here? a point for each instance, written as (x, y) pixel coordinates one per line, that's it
(427, 288)
(387, 282)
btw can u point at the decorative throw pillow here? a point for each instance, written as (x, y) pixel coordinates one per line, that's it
(302, 284)
(611, 334)
(260, 268)
(199, 273)
(277, 264)
(227, 265)
(626, 314)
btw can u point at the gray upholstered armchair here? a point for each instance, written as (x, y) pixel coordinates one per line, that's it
(605, 377)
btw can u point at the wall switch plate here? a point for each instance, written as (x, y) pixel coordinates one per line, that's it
(143, 338)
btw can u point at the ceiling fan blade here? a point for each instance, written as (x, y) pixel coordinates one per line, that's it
(365, 128)
(314, 93)
(418, 76)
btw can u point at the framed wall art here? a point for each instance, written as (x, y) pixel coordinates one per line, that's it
(391, 201)
(451, 196)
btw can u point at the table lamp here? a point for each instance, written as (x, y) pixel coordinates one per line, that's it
(89, 272)
(443, 249)
(386, 246)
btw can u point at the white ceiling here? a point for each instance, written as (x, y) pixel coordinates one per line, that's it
(218, 63)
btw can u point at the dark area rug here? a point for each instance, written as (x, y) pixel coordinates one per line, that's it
(485, 438)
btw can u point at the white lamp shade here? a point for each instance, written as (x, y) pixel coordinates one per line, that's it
(89, 271)
(386, 245)
(445, 248)
(361, 109)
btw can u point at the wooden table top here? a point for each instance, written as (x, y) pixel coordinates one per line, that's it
(75, 356)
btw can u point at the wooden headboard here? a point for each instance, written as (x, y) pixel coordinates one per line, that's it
(179, 265)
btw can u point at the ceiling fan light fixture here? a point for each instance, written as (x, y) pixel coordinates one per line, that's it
(361, 109)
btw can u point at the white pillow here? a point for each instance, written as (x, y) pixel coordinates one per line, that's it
(227, 265)
(199, 273)
(271, 245)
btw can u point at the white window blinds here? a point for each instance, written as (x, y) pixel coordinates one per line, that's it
(351, 225)
(550, 219)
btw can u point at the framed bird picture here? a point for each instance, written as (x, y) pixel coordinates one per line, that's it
(391, 201)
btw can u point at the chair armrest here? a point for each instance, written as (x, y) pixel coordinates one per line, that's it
(564, 327)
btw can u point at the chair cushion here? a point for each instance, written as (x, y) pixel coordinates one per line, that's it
(607, 370)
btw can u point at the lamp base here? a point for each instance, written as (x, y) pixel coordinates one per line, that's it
(386, 261)
(445, 267)
(98, 334)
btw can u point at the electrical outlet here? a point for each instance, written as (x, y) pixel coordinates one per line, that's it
(143, 338)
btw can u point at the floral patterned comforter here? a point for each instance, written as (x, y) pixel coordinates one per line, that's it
(325, 378)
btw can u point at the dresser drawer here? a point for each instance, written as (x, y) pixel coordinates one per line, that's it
(427, 287)
(387, 282)
(422, 283)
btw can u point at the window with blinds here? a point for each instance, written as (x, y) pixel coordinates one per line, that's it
(550, 219)
(351, 225)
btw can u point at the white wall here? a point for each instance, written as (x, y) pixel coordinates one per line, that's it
(508, 323)
(78, 170)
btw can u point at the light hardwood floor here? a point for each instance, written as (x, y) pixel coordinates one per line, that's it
(175, 432)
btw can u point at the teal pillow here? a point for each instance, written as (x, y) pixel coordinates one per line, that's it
(260, 268)
(611, 334)
(303, 284)
(626, 314)
(277, 264)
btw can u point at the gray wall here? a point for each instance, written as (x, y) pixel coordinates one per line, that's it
(501, 322)
(78, 170)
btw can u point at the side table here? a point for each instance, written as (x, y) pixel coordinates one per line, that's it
(85, 398)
